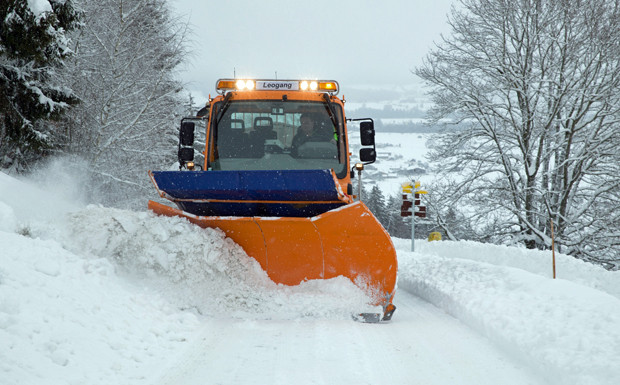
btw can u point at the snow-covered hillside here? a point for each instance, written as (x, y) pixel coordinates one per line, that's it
(93, 295)
(401, 157)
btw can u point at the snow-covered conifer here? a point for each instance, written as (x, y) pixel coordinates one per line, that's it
(33, 44)
(376, 203)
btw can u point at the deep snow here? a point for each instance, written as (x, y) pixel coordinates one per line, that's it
(92, 295)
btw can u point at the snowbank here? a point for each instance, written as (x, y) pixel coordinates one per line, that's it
(535, 261)
(65, 319)
(202, 269)
(565, 330)
(91, 295)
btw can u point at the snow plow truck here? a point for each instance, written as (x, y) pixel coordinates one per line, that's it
(277, 179)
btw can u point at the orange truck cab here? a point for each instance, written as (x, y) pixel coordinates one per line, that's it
(276, 178)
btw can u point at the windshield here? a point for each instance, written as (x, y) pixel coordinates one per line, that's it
(277, 135)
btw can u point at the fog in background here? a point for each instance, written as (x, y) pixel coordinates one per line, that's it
(361, 44)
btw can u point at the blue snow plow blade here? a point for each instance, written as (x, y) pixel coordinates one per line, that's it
(266, 193)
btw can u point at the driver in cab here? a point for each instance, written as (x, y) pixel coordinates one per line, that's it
(308, 132)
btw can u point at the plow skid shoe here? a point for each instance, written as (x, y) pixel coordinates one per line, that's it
(346, 241)
(388, 312)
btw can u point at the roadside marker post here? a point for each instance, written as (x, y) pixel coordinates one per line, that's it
(553, 248)
(412, 206)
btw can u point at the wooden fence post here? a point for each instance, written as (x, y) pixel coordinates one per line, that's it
(553, 248)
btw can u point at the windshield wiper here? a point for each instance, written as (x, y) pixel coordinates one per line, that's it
(220, 114)
(330, 110)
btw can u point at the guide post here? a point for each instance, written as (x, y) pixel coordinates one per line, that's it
(412, 206)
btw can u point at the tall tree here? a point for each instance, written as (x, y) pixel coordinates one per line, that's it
(33, 45)
(124, 73)
(453, 222)
(536, 86)
(376, 204)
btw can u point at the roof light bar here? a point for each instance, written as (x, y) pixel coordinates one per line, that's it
(225, 85)
(330, 86)
(305, 85)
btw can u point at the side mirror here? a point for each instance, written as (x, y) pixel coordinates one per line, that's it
(186, 134)
(368, 155)
(186, 154)
(186, 143)
(367, 133)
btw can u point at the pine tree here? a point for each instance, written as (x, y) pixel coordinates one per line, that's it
(396, 225)
(33, 45)
(376, 204)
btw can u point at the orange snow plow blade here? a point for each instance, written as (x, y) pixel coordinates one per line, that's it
(347, 241)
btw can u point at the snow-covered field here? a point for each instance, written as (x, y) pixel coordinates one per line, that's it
(93, 295)
(401, 157)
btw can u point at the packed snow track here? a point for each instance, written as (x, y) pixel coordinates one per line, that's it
(421, 345)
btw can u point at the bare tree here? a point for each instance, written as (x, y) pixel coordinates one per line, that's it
(127, 53)
(535, 88)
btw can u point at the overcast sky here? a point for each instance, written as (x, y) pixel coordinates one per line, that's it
(356, 42)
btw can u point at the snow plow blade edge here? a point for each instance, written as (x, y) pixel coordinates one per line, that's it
(347, 241)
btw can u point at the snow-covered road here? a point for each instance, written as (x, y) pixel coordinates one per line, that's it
(94, 295)
(422, 345)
